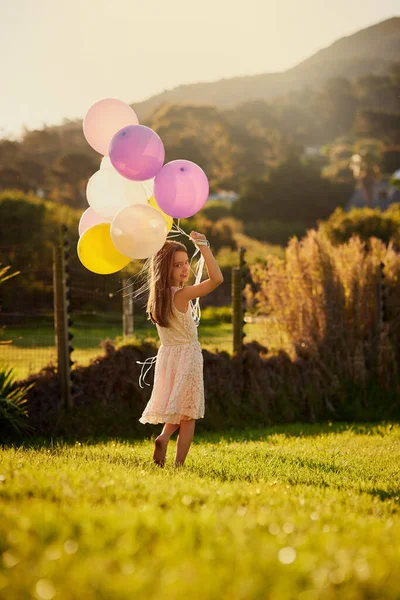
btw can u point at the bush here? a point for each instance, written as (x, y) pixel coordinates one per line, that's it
(13, 405)
(324, 298)
(253, 389)
(216, 209)
(365, 223)
(274, 231)
(217, 313)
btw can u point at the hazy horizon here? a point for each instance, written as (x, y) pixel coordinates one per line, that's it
(59, 60)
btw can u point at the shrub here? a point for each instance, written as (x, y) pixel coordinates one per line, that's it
(274, 231)
(13, 404)
(215, 210)
(217, 313)
(324, 298)
(365, 223)
(253, 389)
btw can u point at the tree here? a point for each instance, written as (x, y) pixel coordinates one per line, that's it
(378, 124)
(72, 170)
(215, 210)
(20, 219)
(226, 152)
(43, 144)
(33, 173)
(8, 152)
(338, 105)
(293, 192)
(11, 178)
(390, 160)
(378, 92)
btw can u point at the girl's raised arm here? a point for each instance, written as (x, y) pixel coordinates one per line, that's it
(215, 277)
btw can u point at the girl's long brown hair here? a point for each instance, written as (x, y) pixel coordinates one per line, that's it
(159, 304)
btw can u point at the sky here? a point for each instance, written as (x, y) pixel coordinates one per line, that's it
(58, 58)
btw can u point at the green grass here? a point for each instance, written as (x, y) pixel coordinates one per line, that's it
(298, 512)
(33, 346)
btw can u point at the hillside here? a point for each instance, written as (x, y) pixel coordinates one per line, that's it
(369, 51)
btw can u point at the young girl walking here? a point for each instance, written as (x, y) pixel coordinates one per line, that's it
(177, 399)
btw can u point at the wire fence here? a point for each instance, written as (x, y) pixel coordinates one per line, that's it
(27, 326)
(27, 329)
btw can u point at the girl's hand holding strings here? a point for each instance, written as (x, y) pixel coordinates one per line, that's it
(195, 236)
(215, 277)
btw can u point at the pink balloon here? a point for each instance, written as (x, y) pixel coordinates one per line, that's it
(181, 188)
(88, 219)
(137, 152)
(104, 119)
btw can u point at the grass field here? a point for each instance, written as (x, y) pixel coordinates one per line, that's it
(33, 346)
(303, 512)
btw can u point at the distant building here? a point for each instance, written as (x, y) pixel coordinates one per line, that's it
(312, 151)
(224, 195)
(383, 195)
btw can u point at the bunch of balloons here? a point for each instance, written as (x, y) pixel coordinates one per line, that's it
(133, 197)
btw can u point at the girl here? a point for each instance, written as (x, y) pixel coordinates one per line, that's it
(177, 398)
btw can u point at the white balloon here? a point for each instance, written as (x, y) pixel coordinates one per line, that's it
(106, 163)
(108, 192)
(396, 174)
(138, 231)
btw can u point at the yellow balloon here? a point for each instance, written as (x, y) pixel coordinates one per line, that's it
(169, 220)
(97, 252)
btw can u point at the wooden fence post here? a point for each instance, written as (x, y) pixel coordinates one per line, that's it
(237, 309)
(238, 303)
(61, 318)
(127, 311)
(380, 313)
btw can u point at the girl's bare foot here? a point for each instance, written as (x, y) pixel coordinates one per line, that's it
(160, 451)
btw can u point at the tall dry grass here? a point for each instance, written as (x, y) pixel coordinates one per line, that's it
(325, 301)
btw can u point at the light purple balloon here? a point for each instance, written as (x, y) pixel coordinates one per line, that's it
(181, 188)
(137, 152)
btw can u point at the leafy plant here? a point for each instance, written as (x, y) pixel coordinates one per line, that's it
(3, 274)
(4, 277)
(13, 403)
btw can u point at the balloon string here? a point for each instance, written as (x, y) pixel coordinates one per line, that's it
(197, 272)
(147, 364)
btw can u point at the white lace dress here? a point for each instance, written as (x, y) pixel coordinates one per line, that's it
(178, 390)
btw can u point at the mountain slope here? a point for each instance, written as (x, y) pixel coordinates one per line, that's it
(369, 51)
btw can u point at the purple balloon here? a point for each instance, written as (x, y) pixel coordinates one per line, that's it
(181, 188)
(137, 152)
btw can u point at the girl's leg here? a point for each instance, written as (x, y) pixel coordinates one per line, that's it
(161, 443)
(185, 438)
